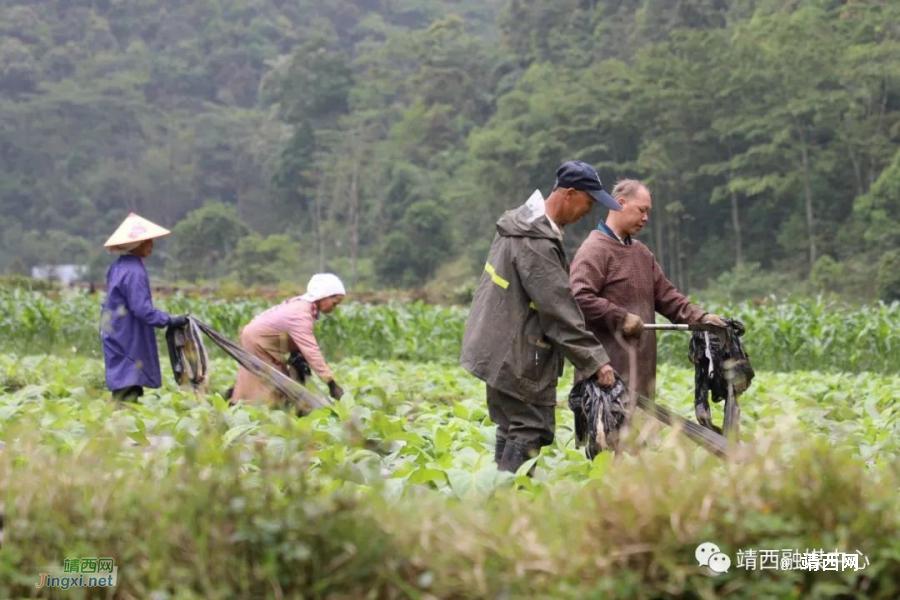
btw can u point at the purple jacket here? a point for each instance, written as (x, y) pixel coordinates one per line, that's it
(126, 327)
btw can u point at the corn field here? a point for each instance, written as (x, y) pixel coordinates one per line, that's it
(810, 335)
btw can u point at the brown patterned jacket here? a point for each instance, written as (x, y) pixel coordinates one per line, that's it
(609, 280)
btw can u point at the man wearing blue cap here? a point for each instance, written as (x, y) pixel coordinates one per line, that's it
(524, 320)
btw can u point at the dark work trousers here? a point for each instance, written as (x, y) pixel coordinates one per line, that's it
(522, 428)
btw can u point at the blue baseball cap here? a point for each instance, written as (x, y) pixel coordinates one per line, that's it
(582, 176)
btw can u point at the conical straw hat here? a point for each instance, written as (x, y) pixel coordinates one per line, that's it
(135, 229)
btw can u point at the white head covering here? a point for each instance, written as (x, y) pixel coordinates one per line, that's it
(323, 285)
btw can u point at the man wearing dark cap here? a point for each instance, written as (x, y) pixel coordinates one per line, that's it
(524, 320)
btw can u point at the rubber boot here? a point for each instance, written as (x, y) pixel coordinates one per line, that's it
(499, 446)
(514, 456)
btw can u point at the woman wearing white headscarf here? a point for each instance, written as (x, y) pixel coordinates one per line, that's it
(289, 327)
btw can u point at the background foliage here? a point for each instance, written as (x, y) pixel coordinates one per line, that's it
(384, 138)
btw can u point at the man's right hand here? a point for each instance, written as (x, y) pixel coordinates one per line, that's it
(633, 325)
(606, 377)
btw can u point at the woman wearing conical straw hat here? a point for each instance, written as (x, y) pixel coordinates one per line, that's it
(128, 319)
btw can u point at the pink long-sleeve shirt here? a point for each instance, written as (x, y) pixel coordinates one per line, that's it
(286, 327)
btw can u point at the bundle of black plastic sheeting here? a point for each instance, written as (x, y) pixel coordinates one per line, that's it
(721, 368)
(293, 393)
(600, 412)
(298, 367)
(190, 361)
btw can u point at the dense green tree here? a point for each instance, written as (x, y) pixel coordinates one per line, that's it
(889, 276)
(878, 212)
(768, 131)
(266, 260)
(410, 255)
(202, 242)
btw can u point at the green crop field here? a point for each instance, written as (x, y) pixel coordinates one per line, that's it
(808, 335)
(392, 492)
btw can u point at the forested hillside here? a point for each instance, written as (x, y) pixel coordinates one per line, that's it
(381, 139)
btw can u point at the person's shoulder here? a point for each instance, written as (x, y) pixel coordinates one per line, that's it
(642, 252)
(299, 307)
(641, 247)
(129, 264)
(542, 246)
(289, 305)
(595, 243)
(596, 238)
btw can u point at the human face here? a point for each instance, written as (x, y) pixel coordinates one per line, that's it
(327, 305)
(635, 213)
(144, 250)
(578, 204)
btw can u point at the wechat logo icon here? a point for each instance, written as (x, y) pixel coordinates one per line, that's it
(709, 555)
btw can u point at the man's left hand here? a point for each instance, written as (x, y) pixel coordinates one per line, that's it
(713, 320)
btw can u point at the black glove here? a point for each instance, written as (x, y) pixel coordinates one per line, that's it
(179, 321)
(335, 390)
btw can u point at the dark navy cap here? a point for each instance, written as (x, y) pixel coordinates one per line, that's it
(582, 176)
